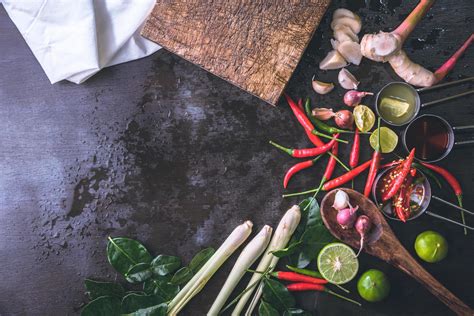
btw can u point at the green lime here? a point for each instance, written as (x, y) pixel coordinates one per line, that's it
(431, 246)
(394, 107)
(373, 285)
(338, 263)
(364, 118)
(388, 139)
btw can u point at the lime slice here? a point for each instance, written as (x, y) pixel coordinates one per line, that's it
(394, 107)
(388, 139)
(338, 263)
(364, 118)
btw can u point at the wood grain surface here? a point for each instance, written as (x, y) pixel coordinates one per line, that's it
(382, 243)
(255, 45)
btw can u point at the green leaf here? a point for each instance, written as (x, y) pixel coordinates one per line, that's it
(157, 310)
(314, 239)
(124, 253)
(265, 309)
(149, 285)
(200, 259)
(161, 287)
(277, 295)
(138, 273)
(163, 264)
(291, 249)
(313, 215)
(182, 276)
(296, 311)
(104, 306)
(133, 302)
(97, 289)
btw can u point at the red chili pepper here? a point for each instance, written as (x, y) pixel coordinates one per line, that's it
(305, 122)
(354, 156)
(391, 164)
(453, 182)
(400, 177)
(298, 287)
(449, 177)
(307, 152)
(296, 277)
(374, 167)
(401, 202)
(297, 168)
(413, 172)
(331, 162)
(348, 176)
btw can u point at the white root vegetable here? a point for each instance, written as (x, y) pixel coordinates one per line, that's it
(322, 87)
(350, 51)
(379, 47)
(410, 71)
(195, 285)
(354, 24)
(280, 239)
(344, 33)
(347, 80)
(247, 257)
(341, 12)
(333, 60)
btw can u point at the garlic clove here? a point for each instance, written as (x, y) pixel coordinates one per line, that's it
(343, 33)
(333, 60)
(347, 80)
(322, 87)
(354, 24)
(341, 12)
(323, 114)
(350, 51)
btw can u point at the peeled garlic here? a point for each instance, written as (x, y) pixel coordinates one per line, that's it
(322, 87)
(344, 33)
(341, 200)
(347, 80)
(350, 51)
(354, 24)
(333, 60)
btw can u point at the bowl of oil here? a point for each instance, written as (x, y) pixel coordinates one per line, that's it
(397, 103)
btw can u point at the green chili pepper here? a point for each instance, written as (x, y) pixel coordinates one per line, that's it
(319, 124)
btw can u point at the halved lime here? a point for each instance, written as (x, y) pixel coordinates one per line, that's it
(364, 118)
(394, 107)
(388, 139)
(338, 263)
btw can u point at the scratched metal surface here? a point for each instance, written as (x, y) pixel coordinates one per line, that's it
(162, 151)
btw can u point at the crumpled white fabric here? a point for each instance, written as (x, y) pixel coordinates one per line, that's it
(74, 39)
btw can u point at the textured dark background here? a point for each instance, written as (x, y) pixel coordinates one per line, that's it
(162, 151)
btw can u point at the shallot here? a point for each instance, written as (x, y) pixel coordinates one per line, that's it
(362, 225)
(322, 87)
(344, 119)
(347, 217)
(354, 97)
(347, 80)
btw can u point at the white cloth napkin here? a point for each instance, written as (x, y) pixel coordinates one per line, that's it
(74, 39)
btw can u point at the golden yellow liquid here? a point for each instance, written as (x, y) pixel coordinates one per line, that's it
(397, 95)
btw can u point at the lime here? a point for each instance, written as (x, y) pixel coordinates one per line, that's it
(364, 118)
(394, 107)
(373, 285)
(338, 263)
(388, 139)
(431, 246)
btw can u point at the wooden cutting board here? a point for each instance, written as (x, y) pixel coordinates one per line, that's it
(255, 45)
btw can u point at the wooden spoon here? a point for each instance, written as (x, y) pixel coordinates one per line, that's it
(382, 243)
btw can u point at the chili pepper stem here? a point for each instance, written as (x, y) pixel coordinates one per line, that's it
(339, 161)
(342, 297)
(284, 149)
(315, 132)
(341, 288)
(316, 191)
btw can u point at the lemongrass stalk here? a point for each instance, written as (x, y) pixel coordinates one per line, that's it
(247, 257)
(280, 238)
(195, 285)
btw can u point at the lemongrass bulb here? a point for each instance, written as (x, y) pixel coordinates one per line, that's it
(247, 257)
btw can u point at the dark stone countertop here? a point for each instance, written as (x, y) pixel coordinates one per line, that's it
(162, 151)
